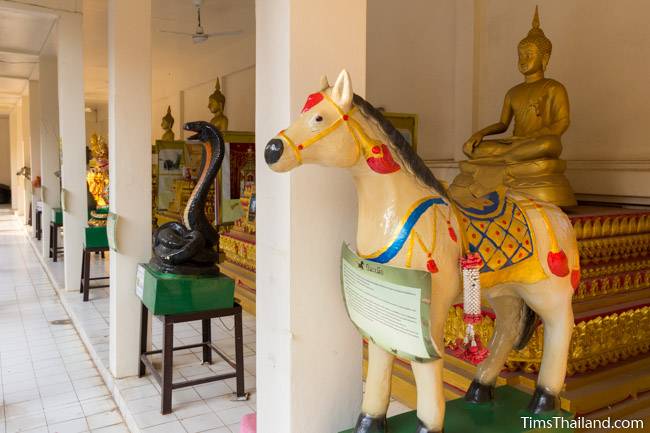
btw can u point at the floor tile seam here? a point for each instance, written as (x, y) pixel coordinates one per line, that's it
(103, 372)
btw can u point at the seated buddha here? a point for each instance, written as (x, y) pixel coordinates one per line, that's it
(528, 161)
(216, 105)
(167, 123)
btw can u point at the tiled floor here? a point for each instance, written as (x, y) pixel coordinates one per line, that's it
(49, 384)
(204, 408)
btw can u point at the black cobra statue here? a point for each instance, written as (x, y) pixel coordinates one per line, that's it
(190, 248)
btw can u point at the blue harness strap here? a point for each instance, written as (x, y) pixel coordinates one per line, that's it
(396, 245)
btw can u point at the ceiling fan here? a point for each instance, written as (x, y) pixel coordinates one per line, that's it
(199, 34)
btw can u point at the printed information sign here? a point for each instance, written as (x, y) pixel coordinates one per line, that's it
(389, 306)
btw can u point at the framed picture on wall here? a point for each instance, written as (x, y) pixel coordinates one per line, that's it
(406, 124)
(237, 171)
(169, 167)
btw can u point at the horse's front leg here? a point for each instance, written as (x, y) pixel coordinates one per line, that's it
(377, 395)
(431, 399)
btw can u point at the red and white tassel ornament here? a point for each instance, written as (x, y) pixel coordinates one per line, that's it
(471, 349)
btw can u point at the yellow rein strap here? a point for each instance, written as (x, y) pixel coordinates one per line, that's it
(353, 126)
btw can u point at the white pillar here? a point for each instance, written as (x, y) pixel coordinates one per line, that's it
(49, 128)
(308, 352)
(27, 145)
(14, 157)
(129, 132)
(35, 141)
(72, 128)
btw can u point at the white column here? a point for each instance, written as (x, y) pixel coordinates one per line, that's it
(14, 157)
(129, 132)
(308, 352)
(72, 128)
(27, 145)
(49, 129)
(35, 140)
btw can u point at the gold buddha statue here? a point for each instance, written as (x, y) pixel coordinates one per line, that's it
(216, 105)
(528, 161)
(97, 175)
(167, 124)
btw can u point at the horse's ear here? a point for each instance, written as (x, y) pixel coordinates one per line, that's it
(342, 91)
(324, 84)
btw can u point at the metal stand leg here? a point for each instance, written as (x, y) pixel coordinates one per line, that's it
(167, 351)
(239, 354)
(51, 237)
(86, 271)
(144, 328)
(55, 243)
(207, 339)
(83, 265)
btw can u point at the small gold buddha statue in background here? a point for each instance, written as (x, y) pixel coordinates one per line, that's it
(167, 124)
(528, 161)
(216, 105)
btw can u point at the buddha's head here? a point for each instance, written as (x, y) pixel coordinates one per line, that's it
(167, 121)
(217, 100)
(534, 50)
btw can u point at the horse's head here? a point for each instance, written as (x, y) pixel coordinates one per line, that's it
(322, 134)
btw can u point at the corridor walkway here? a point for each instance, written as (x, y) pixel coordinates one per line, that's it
(48, 382)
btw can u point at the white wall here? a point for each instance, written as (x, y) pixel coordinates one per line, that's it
(5, 163)
(410, 67)
(184, 73)
(97, 121)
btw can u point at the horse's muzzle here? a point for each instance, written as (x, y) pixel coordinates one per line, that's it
(273, 151)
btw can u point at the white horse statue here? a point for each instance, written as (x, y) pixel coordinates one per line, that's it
(528, 250)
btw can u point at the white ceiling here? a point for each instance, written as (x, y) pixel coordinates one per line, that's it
(24, 31)
(22, 37)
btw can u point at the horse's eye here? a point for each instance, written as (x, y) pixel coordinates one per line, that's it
(319, 118)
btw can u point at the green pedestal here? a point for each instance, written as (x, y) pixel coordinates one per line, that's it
(96, 237)
(505, 415)
(166, 294)
(57, 216)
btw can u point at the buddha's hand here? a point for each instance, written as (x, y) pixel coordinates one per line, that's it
(472, 143)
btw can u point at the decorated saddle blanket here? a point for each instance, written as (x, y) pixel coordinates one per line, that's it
(501, 234)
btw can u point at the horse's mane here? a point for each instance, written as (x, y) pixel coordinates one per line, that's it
(399, 144)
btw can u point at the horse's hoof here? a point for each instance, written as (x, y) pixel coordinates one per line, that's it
(422, 429)
(542, 401)
(479, 393)
(369, 424)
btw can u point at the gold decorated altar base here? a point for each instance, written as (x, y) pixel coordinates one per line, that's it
(238, 246)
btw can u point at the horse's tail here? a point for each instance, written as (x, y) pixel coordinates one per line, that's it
(527, 325)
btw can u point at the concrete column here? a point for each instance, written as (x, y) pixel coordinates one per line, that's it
(308, 352)
(14, 157)
(27, 145)
(35, 140)
(129, 132)
(72, 128)
(49, 130)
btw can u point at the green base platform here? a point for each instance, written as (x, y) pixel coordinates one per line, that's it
(57, 216)
(504, 415)
(96, 237)
(165, 294)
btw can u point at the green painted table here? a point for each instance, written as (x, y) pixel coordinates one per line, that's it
(507, 414)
